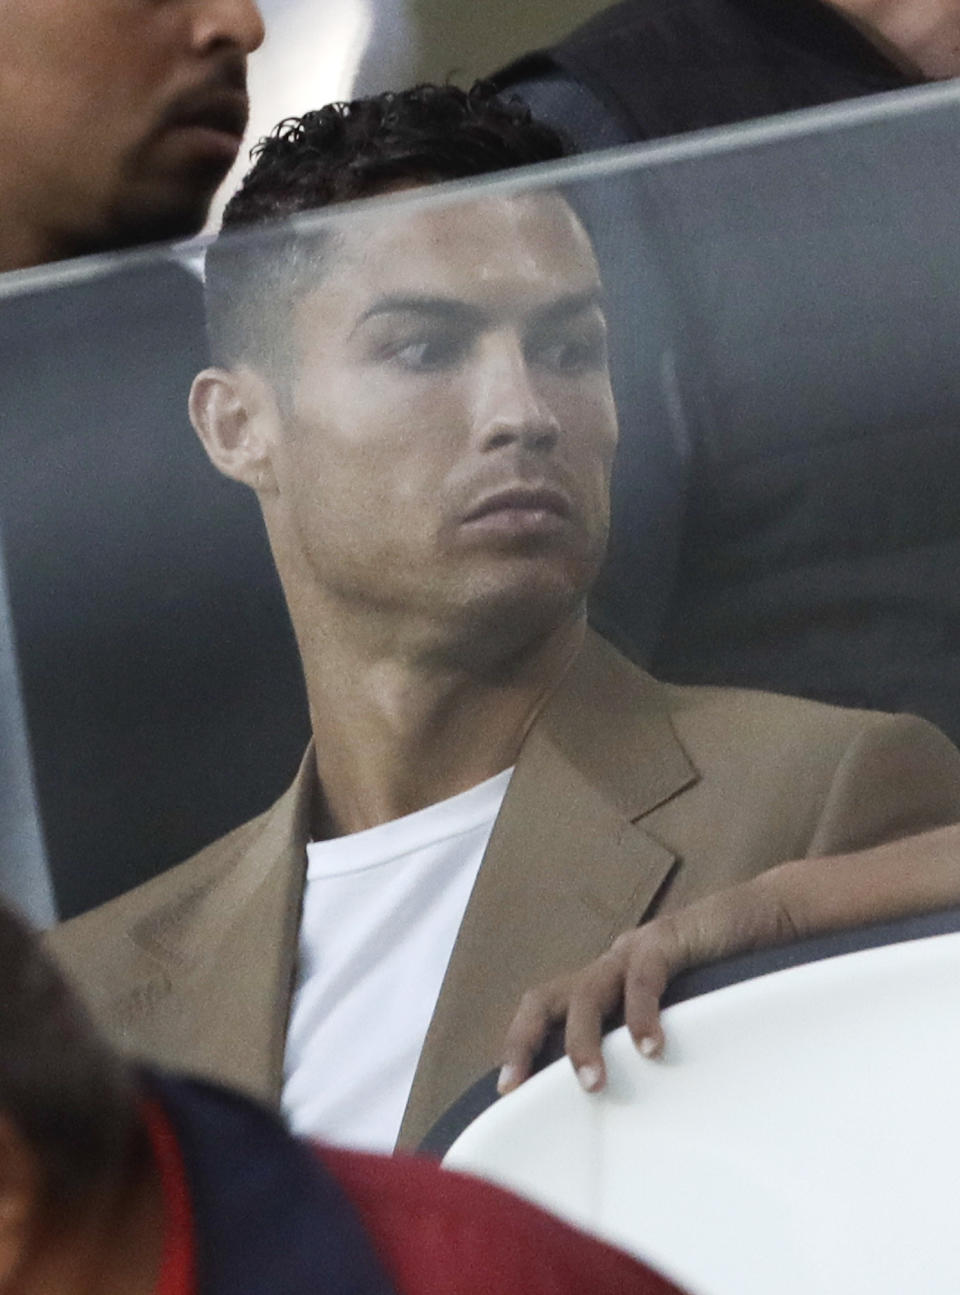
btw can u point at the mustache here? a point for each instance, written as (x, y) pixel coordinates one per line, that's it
(220, 102)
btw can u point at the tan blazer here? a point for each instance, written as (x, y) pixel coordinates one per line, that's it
(627, 793)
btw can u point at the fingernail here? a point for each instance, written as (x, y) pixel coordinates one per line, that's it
(647, 1045)
(507, 1079)
(589, 1077)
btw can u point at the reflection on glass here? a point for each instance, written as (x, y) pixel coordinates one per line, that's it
(776, 299)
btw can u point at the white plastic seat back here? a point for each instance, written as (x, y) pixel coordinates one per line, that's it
(800, 1134)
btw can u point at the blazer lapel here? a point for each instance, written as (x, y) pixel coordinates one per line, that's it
(229, 954)
(567, 868)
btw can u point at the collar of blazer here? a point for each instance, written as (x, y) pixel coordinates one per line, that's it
(568, 866)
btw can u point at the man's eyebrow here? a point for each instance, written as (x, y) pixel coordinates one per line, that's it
(447, 309)
(571, 304)
(451, 310)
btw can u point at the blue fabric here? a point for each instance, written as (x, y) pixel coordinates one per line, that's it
(269, 1218)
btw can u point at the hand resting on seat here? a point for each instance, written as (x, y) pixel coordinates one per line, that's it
(789, 902)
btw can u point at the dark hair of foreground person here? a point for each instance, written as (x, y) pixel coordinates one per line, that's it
(123, 1181)
(68, 1093)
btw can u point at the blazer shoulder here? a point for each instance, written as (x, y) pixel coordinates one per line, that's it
(89, 937)
(871, 775)
(767, 716)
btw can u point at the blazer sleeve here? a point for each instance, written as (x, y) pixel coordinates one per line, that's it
(899, 776)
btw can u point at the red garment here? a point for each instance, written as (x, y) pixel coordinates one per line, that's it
(438, 1231)
(434, 1231)
(177, 1260)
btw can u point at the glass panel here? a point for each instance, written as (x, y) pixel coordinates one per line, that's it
(781, 302)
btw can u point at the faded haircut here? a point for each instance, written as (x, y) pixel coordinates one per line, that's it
(341, 152)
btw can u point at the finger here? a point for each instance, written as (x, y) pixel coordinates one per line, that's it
(594, 993)
(642, 1019)
(539, 1009)
(654, 958)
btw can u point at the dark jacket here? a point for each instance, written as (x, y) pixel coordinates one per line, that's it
(267, 1217)
(783, 355)
(663, 67)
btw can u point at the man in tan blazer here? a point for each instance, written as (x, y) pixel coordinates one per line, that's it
(421, 401)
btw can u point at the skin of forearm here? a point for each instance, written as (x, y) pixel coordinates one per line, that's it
(915, 875)
(796, 899)
(751, 915)
(808, 896)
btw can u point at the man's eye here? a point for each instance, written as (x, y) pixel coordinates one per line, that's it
(573, 354)
(427, 353)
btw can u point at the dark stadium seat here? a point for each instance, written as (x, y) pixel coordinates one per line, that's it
(160, 678)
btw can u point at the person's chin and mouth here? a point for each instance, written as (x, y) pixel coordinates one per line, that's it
(200, 132)
(210, 128)
(541, 532)
(171, 178)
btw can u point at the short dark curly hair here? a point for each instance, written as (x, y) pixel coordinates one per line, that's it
(344, 151)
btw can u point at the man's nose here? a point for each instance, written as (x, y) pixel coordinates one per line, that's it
(236, 23)
(509, 407)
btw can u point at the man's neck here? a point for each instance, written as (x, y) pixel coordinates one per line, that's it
(922, 36)
(396, 734)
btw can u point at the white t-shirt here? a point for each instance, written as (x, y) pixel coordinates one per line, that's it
(381, 913)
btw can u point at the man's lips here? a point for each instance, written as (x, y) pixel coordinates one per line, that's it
(222, 111)
(519, 504)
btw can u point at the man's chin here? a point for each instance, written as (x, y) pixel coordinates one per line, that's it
(497, 621)
(179, 220)
(165, 210)
(132, 229)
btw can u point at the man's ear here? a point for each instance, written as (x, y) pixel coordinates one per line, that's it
(21, 1198)
(234, 413)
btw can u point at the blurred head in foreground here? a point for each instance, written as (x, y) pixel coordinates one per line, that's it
(74, 1167)
(118, 120)
(420, 397)
(89, 1150)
